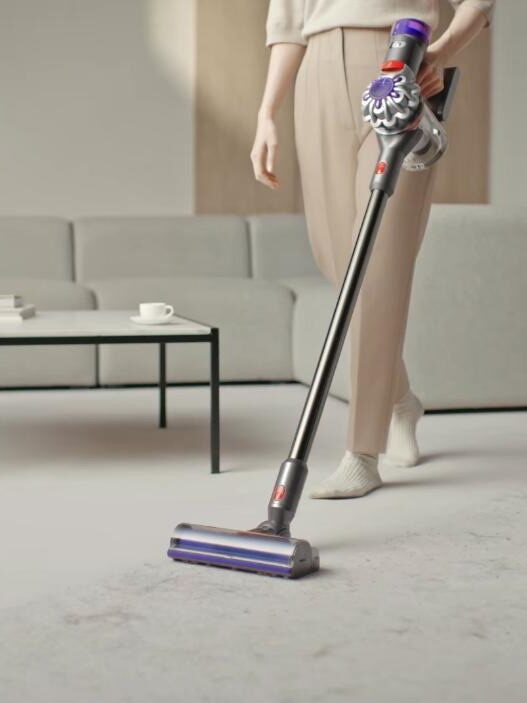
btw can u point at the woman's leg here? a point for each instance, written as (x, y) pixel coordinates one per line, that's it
(378, 373)
(328, 140)
(327, 145)
(403, 382)
(337, 153)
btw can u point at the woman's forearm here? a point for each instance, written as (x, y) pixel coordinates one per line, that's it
(466, 24)
(284, 63)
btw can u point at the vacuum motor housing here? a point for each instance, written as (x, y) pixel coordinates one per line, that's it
(393, 103)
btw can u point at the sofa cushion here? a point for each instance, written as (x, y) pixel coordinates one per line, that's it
(116, 247)
(300, 283)
(467, 327)
(280, 246)
(38, 247)
(48, 365)
(315, 300)
(254, 319)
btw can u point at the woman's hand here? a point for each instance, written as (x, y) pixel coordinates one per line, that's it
(263, 153)
(430, 76)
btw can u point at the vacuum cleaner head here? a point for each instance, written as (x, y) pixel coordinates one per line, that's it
(248, 551)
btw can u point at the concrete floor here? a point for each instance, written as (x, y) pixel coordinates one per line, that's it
(421, 596)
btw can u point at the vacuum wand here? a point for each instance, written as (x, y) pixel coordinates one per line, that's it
(410, 136)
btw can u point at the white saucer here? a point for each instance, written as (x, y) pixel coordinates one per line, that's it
(151, 320)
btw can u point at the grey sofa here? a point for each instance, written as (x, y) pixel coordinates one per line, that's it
(256, 280)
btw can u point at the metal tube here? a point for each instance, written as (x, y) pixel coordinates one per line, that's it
(338, 327)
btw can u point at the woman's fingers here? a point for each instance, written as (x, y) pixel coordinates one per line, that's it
(257, 159)
(264, 151)
(423, 72)
(268, 179)
(269, 174)
(271, 156)
(261, 159)
(430, 79)
(432, 86)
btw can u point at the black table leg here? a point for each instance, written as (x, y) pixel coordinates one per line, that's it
(215, 401)
(162, 385)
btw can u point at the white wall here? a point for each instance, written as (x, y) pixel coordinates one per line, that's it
(96, 106)
(509, 104)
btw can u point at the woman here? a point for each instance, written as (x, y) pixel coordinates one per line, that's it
(338, 45)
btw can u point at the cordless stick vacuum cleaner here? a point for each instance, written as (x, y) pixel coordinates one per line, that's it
(411, 136)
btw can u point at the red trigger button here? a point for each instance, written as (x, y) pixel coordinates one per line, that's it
(393, 65)
(279, 493)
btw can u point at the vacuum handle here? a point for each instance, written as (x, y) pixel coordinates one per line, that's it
(441, 103)
(408, 44)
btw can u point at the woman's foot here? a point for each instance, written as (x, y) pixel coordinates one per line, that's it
(402, 448)
(355, 476)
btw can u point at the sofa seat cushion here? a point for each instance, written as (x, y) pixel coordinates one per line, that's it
(48, 365)
(315, 300)
(300, 283)
(467, 327)
(198, 245)
(254, 319)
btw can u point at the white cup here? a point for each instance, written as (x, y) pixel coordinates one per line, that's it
(155, 311)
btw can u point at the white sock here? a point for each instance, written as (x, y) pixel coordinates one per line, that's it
(402, 449)
(355, 476)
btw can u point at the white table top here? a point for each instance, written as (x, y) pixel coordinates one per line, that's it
(97, 323)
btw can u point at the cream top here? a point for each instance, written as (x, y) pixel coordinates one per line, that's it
(293, 21)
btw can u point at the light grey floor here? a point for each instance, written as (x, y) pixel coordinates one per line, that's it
(422, 595)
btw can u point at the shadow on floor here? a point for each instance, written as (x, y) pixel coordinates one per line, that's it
(119, 440)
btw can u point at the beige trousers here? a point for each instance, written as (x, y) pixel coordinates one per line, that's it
(337, 153)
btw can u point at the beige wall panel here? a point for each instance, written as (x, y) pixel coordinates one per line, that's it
(464, 171)
(231, 69)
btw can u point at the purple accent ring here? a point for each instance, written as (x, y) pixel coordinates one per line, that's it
(416, 28)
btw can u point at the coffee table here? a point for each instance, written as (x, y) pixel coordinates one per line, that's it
(115, 327)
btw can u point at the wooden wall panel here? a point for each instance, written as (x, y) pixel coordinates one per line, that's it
(231, 68)
(463, 175)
